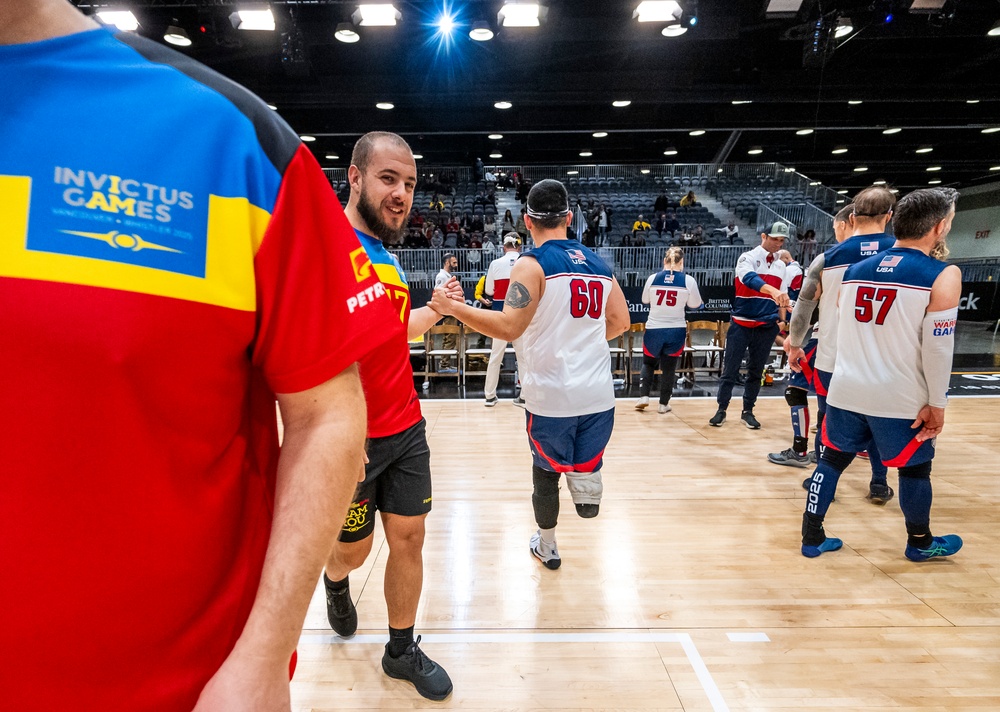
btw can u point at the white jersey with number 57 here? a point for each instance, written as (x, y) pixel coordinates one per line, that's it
(564, 358)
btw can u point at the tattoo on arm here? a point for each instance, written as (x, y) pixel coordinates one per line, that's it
(813, 279)
(518, 296)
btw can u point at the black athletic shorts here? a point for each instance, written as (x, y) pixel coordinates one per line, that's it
(397, 481)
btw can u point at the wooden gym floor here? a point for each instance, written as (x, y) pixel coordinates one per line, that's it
(688, 592)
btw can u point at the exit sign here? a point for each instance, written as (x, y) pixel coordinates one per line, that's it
(982, 234)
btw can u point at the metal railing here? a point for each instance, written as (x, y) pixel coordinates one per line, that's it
(710, 265)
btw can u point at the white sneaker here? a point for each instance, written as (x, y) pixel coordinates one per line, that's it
(548, 555)
(519, 402)
(643, 403)
(664, 409)
(490, 402)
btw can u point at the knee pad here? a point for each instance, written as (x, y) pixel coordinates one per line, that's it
(545, 498)
(796, 396)
(586, 489)
(836, 459)
(917, 472)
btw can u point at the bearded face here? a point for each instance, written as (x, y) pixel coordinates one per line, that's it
(387, 220)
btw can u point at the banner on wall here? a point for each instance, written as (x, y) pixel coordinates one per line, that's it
(979, 302)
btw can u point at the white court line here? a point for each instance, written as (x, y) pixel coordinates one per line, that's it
(700, 669)
(748, 637)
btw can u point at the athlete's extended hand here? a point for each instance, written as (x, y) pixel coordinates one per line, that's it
(932, 420)
(246, 685)
(781, 299)
(794, 354)
(441, 302)
(453, 288)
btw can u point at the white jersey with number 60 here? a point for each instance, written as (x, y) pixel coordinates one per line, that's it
(564, 358)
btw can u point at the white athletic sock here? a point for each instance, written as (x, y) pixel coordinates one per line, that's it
(548, 537)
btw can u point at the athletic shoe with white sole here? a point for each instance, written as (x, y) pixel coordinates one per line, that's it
(750, 421)
(663, 409)
(940, 546)
(490, 402)
(718, 419)
(642, 403)
(548, 555)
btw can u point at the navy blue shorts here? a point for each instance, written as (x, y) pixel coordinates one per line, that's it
(848, 431)
(657, 343)
(574, 444)
(804, 379)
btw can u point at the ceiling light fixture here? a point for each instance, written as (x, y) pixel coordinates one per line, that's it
(789, 169)
(925, 149)
(842, 192)
(860, 169)
(502, 105)
(600, 134)
(934, 182)
(376, 15)
(841, 201)
(520, 14)
(124, 20)
(854, 102)
(878, 182)
(620, 103)
(332, 156)
(254, 20)
(932, 169)
(346, 33)
(755, 151)
(697, 132)
(385, 105)
(740, 102)
(815, 182)
(991, 129)
(417, 156)
(995, 168)
(671, 151)
(585, 154)
(658, 11)
(272, 107)
(838, 150)
(893, 130)
(804, 132)
(674, 30)
(177, 35)
(995, 30)
(481, 31)
(307, 138)
(496, 155)
(572, 173)
(495, 137)
(844, 28)
(972, 101)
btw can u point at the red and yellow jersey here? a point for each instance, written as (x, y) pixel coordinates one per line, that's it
(155, 294)
(386, 373)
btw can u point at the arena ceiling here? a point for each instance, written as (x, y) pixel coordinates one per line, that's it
(933, 73)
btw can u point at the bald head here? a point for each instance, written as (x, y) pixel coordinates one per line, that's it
(785, 256)
(368, 144)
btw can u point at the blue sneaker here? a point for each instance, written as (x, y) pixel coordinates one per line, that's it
(829, 544)
(941, 546)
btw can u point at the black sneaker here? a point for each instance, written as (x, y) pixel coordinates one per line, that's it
(519, 402)
(879, 495)
(750, 421)
(340, 610)
(414, 666)
(718, 419)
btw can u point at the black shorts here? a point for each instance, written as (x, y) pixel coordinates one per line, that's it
(397, 481)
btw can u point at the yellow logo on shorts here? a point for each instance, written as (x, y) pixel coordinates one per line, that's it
(357, 516)
(428, 500)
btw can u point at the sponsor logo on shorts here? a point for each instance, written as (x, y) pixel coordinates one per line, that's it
(357, 516)
(427, 501)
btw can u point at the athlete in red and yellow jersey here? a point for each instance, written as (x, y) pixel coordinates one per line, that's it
(397, 477)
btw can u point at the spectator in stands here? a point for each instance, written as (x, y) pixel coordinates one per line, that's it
(463, 238)
(673, 225)
(480, 199)
(520, 228)
(662, 203)
(809, 236)
(416, 219)
(452, 225)
(416, 239)
(627, 240)
(437, 204)
(689, 200)
(732, 232)
(436, 239)
(490, 178)
(479, 169)
(466, 221)
(491, 196)
(475, 241)
(579, 225)
(639, 240)
(489, 223)
(640, 225)
(602, 225)
(508, 223)
(698, 234)
(477, 223)
(661, 224)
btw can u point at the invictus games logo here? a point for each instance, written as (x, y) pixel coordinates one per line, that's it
(121, 195)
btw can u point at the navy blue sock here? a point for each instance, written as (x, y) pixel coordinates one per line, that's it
(823, 487)
(879, 470)
(915, 496)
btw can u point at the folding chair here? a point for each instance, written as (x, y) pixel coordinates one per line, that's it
(468, 335)
(708, 339)
(436, 352)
